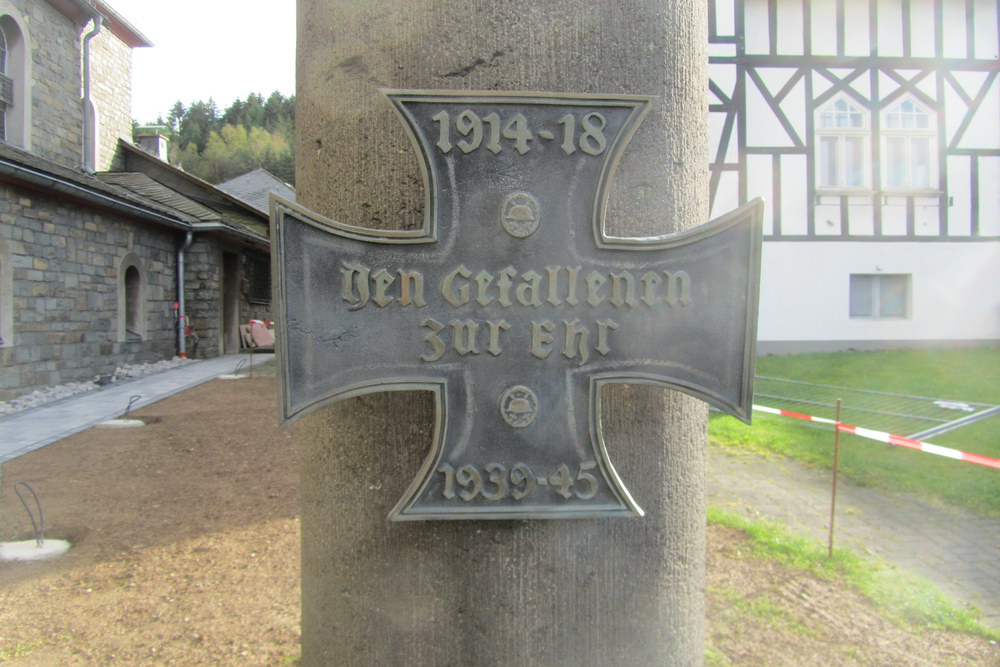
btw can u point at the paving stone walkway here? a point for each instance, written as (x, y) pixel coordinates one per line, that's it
(25, 431)
(956, 550)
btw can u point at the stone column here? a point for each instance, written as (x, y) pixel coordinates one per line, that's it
(554, 592)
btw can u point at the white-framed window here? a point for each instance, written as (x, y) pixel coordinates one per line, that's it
(880, 296)
(15, 71)
(909, 153)
(842, 153)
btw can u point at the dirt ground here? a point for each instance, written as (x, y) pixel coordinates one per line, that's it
(186, 551)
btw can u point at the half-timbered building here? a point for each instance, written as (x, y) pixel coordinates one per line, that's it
(871, 128)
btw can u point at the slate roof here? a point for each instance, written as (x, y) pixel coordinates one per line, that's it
(201, 216)
(255, 187)
(188, 203)
(144, 186)
(211, 208)
(16, 164)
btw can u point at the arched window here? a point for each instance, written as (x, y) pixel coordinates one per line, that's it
(842, 136)
(133, 303)
(15, 64)
(131, 299)
(908, 146)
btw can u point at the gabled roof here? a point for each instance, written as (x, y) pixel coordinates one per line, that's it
(213, 209)
(143, 185)
(144, 196)
(255, 188)
(136, 159)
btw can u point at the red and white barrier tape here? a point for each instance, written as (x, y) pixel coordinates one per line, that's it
(890, 438)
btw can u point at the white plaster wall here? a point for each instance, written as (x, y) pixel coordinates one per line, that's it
(955, 291)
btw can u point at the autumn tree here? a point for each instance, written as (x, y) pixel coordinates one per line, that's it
(234, 150)
(251, 132)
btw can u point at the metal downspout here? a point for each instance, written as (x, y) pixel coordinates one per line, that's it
(88, 124)
(181, 312)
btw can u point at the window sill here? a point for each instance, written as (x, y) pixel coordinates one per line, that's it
(911, 192)
(844, 192)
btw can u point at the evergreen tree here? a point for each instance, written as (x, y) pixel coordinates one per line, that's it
(201, 119)
(175, 115)
(251, 132)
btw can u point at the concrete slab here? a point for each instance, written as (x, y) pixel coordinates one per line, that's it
(31, 550)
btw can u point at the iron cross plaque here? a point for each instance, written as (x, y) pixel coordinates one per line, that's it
(513, 306)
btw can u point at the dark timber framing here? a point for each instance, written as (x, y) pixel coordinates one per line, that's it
(874, 83)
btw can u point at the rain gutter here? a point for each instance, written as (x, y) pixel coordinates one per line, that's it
(66, 187)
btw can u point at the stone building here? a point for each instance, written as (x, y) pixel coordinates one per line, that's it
(106, 252)
(227, 278)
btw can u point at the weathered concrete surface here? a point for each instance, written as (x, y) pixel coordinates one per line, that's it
(588, 592)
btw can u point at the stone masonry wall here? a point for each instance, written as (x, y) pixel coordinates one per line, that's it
(57, 114)
(66, 296)
(56, 86)
(255, 311)
(204, 279)
(203, 287)
(111, 91)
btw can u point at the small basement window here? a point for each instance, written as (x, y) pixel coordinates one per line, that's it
(880, 296)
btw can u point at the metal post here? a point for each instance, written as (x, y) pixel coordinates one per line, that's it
(836, 464)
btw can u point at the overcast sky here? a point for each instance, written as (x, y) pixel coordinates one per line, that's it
(221, 49)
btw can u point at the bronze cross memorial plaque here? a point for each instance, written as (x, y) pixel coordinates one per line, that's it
(513, 306)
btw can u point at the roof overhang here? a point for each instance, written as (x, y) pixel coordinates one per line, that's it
(133, 152)
(47, 182)
(82, 10)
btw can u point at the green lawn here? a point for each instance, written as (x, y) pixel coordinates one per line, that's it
(961, 374)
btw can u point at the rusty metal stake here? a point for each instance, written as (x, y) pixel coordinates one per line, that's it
(836, 465)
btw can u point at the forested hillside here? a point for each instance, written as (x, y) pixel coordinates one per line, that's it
(218, 145)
